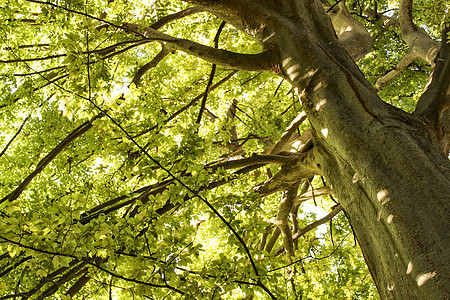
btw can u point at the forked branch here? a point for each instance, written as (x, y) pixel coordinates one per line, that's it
(302, 165)
(281, 220)
(313, 225)
(421, 45)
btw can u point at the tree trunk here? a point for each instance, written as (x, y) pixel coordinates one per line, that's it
(393, 182)
(387, 169)
(385, 165)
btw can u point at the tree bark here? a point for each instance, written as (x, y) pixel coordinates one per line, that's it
(385, 165)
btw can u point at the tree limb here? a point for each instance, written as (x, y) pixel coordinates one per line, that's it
(254, 159)
(288, 133)
(309, 195)
(315, 224)
(419, 42)
(281, 220)
(407, 25)
(302, 166)
(178, 15)
(401, 65)
(273, 239)
(434, 103)
(353, 36)
(421, 45)
(142, 70)
(211, 76)
(248, 62)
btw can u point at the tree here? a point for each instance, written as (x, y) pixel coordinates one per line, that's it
(160, 149)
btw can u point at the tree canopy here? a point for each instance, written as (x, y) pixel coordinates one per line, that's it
(150, 150)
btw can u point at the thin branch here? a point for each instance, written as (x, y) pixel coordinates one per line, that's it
(103, 52)
(86, 15)
(28, 46)
(190, 104)
(32, 59)
(317, 223)
(211, 76)
(15, 135)
(178, 15)
(40, 72)
(153, 63)
(401, 65)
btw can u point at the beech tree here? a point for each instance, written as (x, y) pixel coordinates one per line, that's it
(224, 149)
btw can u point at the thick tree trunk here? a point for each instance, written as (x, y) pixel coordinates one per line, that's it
(396, 192)
(394, 183)
(386, 167)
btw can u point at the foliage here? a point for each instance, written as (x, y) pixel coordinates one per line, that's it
(103, 209)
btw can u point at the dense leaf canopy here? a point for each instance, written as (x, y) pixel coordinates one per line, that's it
(130, 167)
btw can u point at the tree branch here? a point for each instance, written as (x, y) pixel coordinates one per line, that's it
(419, 42)
(211, 76)
(302, 166)
(273, 239)
(401, 65)
(288, 133)
(248, 62)
(86, 15)
(79, 131)
(311, 226)
(187, 106)
(281, 220)
(181, 14)
(434, 103)
(15, 135)
(253, 160)
(421, 45)
(353, 36)
(309, 195)
(407, 25)
(153, 63)
(317, 223)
